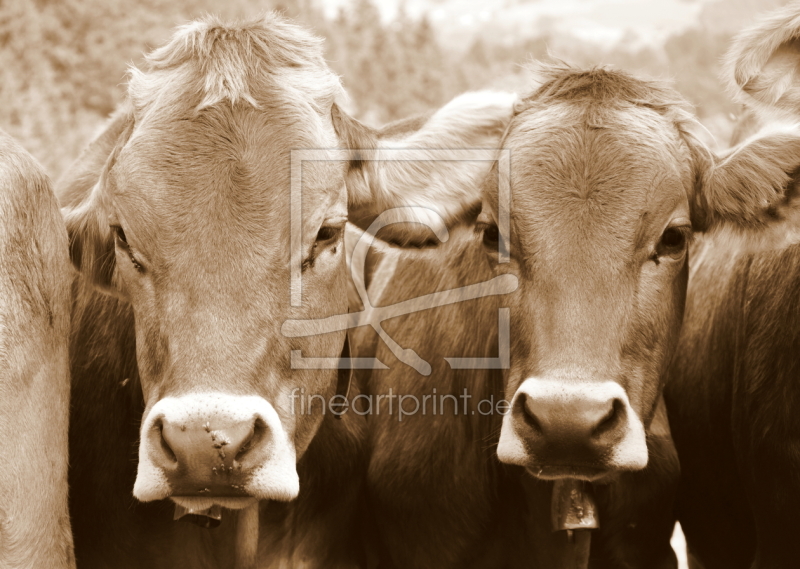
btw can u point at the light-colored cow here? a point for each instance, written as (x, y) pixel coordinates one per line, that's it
(181, 222)
(35, 277)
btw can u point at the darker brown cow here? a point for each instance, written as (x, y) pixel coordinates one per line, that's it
(733, 393)
(35, 276)
(607, 186)
(179, 221)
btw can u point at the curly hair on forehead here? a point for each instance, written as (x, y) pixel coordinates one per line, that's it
(263, 62)
(603, 87)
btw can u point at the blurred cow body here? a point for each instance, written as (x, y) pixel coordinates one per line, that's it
(732, 394)
(732, 397)
(34, 372)
(607, 184)
(179, 221)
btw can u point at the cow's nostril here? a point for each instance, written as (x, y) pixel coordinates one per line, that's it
(525, 406)
(256, 436)
(168, 452)
(611, 418)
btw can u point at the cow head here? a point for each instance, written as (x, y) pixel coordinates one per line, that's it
(190, 223)
(607, 187)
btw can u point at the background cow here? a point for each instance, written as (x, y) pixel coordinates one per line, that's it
(733, 393)
(607, 187)
(34, 370)
(179, 222)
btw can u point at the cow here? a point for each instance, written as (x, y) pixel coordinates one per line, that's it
(732, 391)
(181, 224)
(556, 384)
(35, 276)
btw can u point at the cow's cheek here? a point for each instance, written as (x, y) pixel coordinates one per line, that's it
(666, 317)
(303, 413)
(152, 352)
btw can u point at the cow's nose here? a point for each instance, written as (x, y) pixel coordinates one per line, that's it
(208, 455)
(217, 445)
(568, 426)
(572, 429)
(593, 420)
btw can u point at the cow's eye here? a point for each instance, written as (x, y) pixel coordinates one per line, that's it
(491, 235)
(122, 242)
(673, 242)
(326, 236)
(328, 233)
(119, 234)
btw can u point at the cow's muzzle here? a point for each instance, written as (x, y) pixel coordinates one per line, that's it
(583, 430)
(215, 445)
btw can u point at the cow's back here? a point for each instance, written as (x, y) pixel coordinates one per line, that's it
(35, 278)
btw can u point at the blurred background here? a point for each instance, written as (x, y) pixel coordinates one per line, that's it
(63, 62)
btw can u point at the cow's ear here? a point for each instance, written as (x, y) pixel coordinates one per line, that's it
(752, 186)
(435, 178)
(764, 62)
(91, 243)
(362, 143)
(83, 173)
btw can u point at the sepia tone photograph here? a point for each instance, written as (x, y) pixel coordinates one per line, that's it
(399, 284)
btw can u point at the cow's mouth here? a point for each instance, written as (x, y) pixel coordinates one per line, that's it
(568, 471)
(207, 511)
